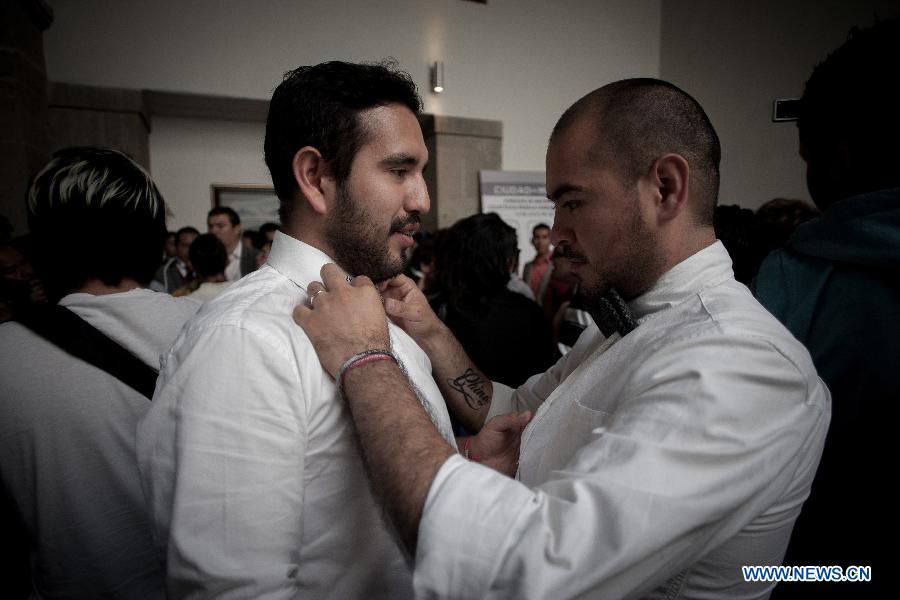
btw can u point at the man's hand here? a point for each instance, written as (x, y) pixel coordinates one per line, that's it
(407, 306)
(342, 318)
(497, 444)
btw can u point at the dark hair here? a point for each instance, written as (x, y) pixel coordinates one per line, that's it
(208, 255)
(639, 120)
(185, 230)
(225, 210)
(94, 214)
(473, 261)
(319, 106)
(534, 229)
(779, 217)
(738, 230)
(267, 227)
(850, 101)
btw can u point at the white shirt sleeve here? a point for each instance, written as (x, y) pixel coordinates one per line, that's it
(235, 467)
(690, 457)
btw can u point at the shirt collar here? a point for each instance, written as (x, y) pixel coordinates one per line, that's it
(704, 269)
(296, 260)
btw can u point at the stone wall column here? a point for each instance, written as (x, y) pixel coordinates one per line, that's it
(24, 136)
(458, 149)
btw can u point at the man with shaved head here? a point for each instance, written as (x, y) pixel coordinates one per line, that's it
(673, 445)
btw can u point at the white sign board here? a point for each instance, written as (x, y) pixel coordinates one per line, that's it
(520, 198)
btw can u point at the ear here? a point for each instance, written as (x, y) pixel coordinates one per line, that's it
(317, 187)
(670, 176)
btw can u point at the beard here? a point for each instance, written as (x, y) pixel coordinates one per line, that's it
(361, 248)
(637, 271)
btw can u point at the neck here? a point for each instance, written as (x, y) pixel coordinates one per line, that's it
(672, 251)
(217, 278)
(96, 287)
(691, 245)
(310, 231)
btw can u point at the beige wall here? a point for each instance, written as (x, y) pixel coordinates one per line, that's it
(736, 57)
(521, 62)
(188, 155)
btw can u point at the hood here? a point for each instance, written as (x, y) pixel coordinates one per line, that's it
(142, 321)
(862, 230)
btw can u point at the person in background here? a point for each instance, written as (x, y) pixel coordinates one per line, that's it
(420, 266)
(208, 258)
(836, 286)
(250, 238)
(20, 288)
(572, 317)
(169, 249)
(502, 331)
(176, 272)
(76, 376)
(777, 220)
(267, 232)
(517, 284)
(537, 272)
(225, 224)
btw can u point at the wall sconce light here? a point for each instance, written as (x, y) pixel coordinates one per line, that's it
(437, 77)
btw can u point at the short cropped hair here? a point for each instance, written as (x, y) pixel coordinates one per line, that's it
(850, 101)
(534, 229)
(208, 255)
(319, 106)
(639, 120)
(225, 210)
(94, 214)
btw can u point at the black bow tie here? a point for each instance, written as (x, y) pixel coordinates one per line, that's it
(611, 314)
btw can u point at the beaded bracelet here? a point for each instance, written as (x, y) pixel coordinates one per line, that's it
(362, 358)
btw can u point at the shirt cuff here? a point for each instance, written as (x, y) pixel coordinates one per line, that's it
(501, 400)
(462, 534)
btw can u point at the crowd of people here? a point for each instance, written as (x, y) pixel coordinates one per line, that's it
(286, 413)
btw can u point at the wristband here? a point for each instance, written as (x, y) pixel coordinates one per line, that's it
(362, 358)
(466, 455)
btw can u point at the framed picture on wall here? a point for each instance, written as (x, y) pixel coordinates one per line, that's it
(255, 204)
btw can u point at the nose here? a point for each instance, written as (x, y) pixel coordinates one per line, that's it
(560, 232)
(418, 200)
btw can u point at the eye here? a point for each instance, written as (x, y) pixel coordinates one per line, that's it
(571, 205)
(399, 173)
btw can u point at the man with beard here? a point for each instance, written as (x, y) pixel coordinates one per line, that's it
(248, 454)
(673, 445)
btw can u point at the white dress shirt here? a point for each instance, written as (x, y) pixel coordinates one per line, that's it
(249, 457)
(233, 268)
(67, 451)
(656, 464)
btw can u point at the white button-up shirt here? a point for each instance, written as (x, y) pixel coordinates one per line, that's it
(656, 464)
(233, 268)
(248, 454)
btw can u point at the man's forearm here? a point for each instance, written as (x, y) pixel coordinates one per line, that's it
(466, 389)
(403, 451)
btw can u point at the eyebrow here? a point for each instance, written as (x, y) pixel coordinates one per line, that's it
(562, 190)
(400, 159)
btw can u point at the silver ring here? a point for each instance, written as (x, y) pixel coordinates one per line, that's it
(313, 297)
(349, 278)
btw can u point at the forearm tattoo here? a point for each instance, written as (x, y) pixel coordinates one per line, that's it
(471, 385)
